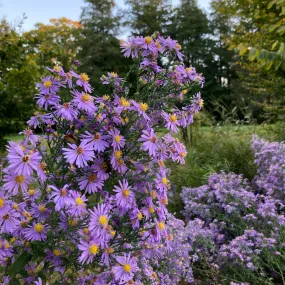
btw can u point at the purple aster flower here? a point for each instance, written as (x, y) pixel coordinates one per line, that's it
(9, 221)
(118, 162)
(124, 197)
(49, 86)
(124, 272)
(129, 48)
(89, 250)
(171, 121)
(23, 163)
(61, 197)
(141, 108)
(118, 140)
(37, 231)
(30, 137)
(66, 111)
(97, 141)
(80, 155)
(40, 211)
(101, 168)
(5, 250)
(82, 81)
(34, 121)
(44, 101)
(32, 194)
(84, 101)
(99, 218)
(150, 142)
(91, 183)
(78, 208)
(5, 204)
(14, 182)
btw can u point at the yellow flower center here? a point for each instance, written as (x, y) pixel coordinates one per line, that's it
(151, 210)
(183, 154)
(7, 245)
(92, 177)
(184, 91)
(178, 46)
(126, 193)
(118, 154)
(93, 249)
(48, 83)
(139, 215)
(56, 68)
(143, 107)
(114, 74)
(42, 208)
(85, 97)
(127, 267)
(63, 192)
(124, 102)
(79, 201)
(86, 231)
(164, 180)
(153, 194)
(103, 220)
(39, 228)
(106, 97)
(31, 192)
(161, 225)
(148, 40)
(117, 138)
(164, 201)
(84, 77)
(57, 252)
(201, 103)
(173, 118)
(2, 202)
(188, 69)
(97, 137)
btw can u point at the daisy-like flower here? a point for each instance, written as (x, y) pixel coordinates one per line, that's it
(171, 121)
(89, 250)
(150, 142)
(61, 197)
(66, 111)
(84, 101)
(23, 163)
(99, 218)
(37, 231)
(32, 194)
(118, 140)
(34, 121)
(118, 162)
(5, 251)
(80, 155)
(30, 137)
(40, 211)
(44, 101)
(126, 269)
(9, 221)
(129, 48)
(141, 108)
(101, 168)
(82, 81)
(49, 85)
(125, 197)
(91, 183)
(78, 208)
(14, 182)
(161, 181)
(97, 141)
(197, 102)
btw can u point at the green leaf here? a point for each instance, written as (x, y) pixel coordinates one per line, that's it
(282, 48)
(252, 54)
(281, 30)
(242, 49)
(271, 4)
(275, 44)
(20, 263)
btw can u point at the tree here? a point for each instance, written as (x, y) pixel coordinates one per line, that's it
(100, 49)
(145, 17)
(55, 43)
(18, 75)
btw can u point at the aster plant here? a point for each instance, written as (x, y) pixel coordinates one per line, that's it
(85, 202)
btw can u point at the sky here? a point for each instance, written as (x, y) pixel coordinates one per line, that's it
(42, 10)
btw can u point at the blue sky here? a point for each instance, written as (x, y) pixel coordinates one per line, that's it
(43, 10)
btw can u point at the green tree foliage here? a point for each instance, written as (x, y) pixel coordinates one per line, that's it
(55, 43)
(18, 75)
(255, 34)
(145, 17)
(100, 48)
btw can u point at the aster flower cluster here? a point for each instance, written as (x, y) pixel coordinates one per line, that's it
(85, 202)
(238, 229)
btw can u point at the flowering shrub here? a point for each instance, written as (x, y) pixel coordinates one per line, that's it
(85, 203)
(239, 226)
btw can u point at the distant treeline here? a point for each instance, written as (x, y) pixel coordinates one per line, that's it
(238, 47)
